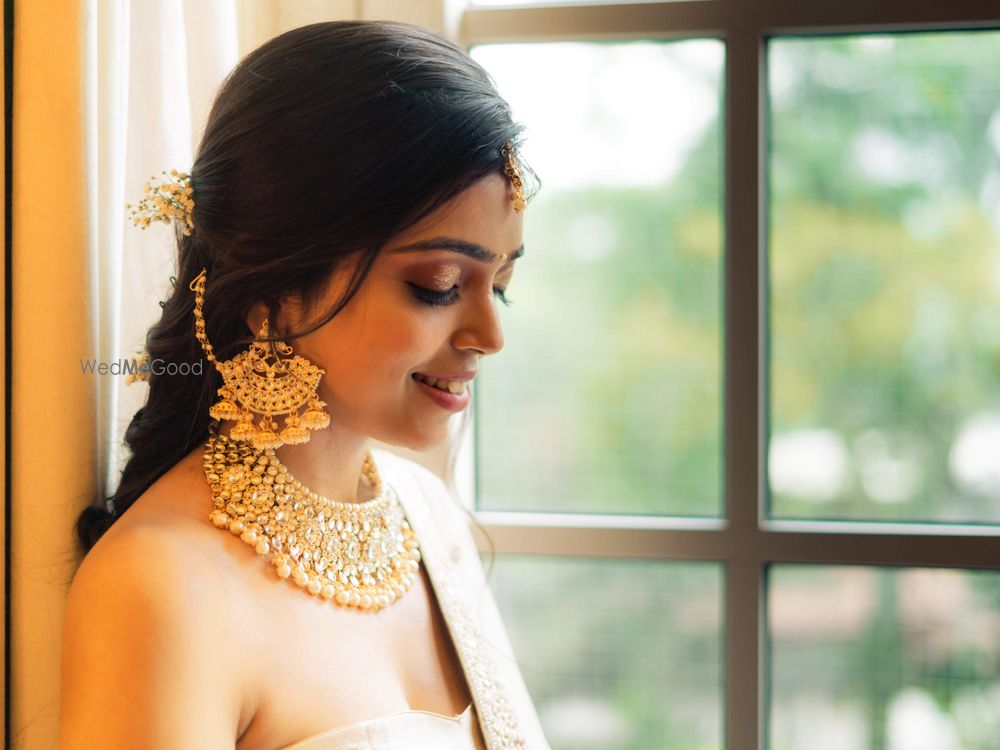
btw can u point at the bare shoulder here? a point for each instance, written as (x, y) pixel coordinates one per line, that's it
(162, 554)
(144, 660)
(152, 566)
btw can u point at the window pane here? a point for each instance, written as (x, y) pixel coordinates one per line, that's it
(606, 396)
(884, 659)
(885, 277)
(627, 657)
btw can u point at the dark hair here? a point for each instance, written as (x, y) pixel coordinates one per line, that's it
(321, 145)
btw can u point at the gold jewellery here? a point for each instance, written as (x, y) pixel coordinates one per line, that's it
(263, 380)
(362, 555)
(513, 172)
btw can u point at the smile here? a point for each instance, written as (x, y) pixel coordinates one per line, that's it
(456, 387)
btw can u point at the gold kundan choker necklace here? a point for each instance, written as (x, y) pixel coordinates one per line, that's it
(362, 555)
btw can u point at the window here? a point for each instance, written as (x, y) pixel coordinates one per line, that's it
(885, 276)
(867, 657)
(608, 397)
(739, 458)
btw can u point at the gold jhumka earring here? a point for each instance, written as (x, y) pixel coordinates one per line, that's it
(265, 379)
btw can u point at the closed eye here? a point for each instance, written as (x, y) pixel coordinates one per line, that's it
(435, 298)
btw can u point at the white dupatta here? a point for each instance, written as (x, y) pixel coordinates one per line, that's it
(507, 715)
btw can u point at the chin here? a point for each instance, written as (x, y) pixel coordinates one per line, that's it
(427, 439)
(429, 444)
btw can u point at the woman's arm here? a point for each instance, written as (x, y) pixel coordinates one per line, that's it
(143, 665)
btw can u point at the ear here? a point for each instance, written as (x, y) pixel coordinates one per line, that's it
(255, 317)
(288, 315)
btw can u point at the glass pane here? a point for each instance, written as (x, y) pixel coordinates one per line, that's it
(884, 659)
(606, 397)
(626, 657)
(885, 277)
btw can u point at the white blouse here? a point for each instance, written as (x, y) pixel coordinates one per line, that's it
(405, 730)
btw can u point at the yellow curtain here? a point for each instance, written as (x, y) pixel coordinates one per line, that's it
(52, 416)
(3, 362)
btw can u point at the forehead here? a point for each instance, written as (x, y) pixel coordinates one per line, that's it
(482, 214)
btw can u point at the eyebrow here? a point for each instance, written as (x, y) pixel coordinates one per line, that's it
(471, 249)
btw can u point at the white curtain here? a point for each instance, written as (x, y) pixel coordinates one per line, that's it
(156, 66)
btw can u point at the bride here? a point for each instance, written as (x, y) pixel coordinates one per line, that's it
(263, 577)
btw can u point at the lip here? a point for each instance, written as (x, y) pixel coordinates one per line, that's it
(465, 375)
(450, 401)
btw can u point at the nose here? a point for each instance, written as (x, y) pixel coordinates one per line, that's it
(479, 328)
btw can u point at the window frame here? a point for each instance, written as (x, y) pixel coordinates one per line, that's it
(744, 541)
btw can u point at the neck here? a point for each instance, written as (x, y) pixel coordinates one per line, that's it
(329, 464)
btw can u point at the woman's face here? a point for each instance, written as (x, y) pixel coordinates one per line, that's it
(426, 307)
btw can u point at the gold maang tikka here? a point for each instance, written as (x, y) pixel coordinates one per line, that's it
(513, 172)
(265, 379)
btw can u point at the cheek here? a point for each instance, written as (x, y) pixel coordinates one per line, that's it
(378, 346)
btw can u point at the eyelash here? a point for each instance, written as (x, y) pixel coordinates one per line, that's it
(439, 299)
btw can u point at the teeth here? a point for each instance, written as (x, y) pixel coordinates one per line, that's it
(452, 386)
